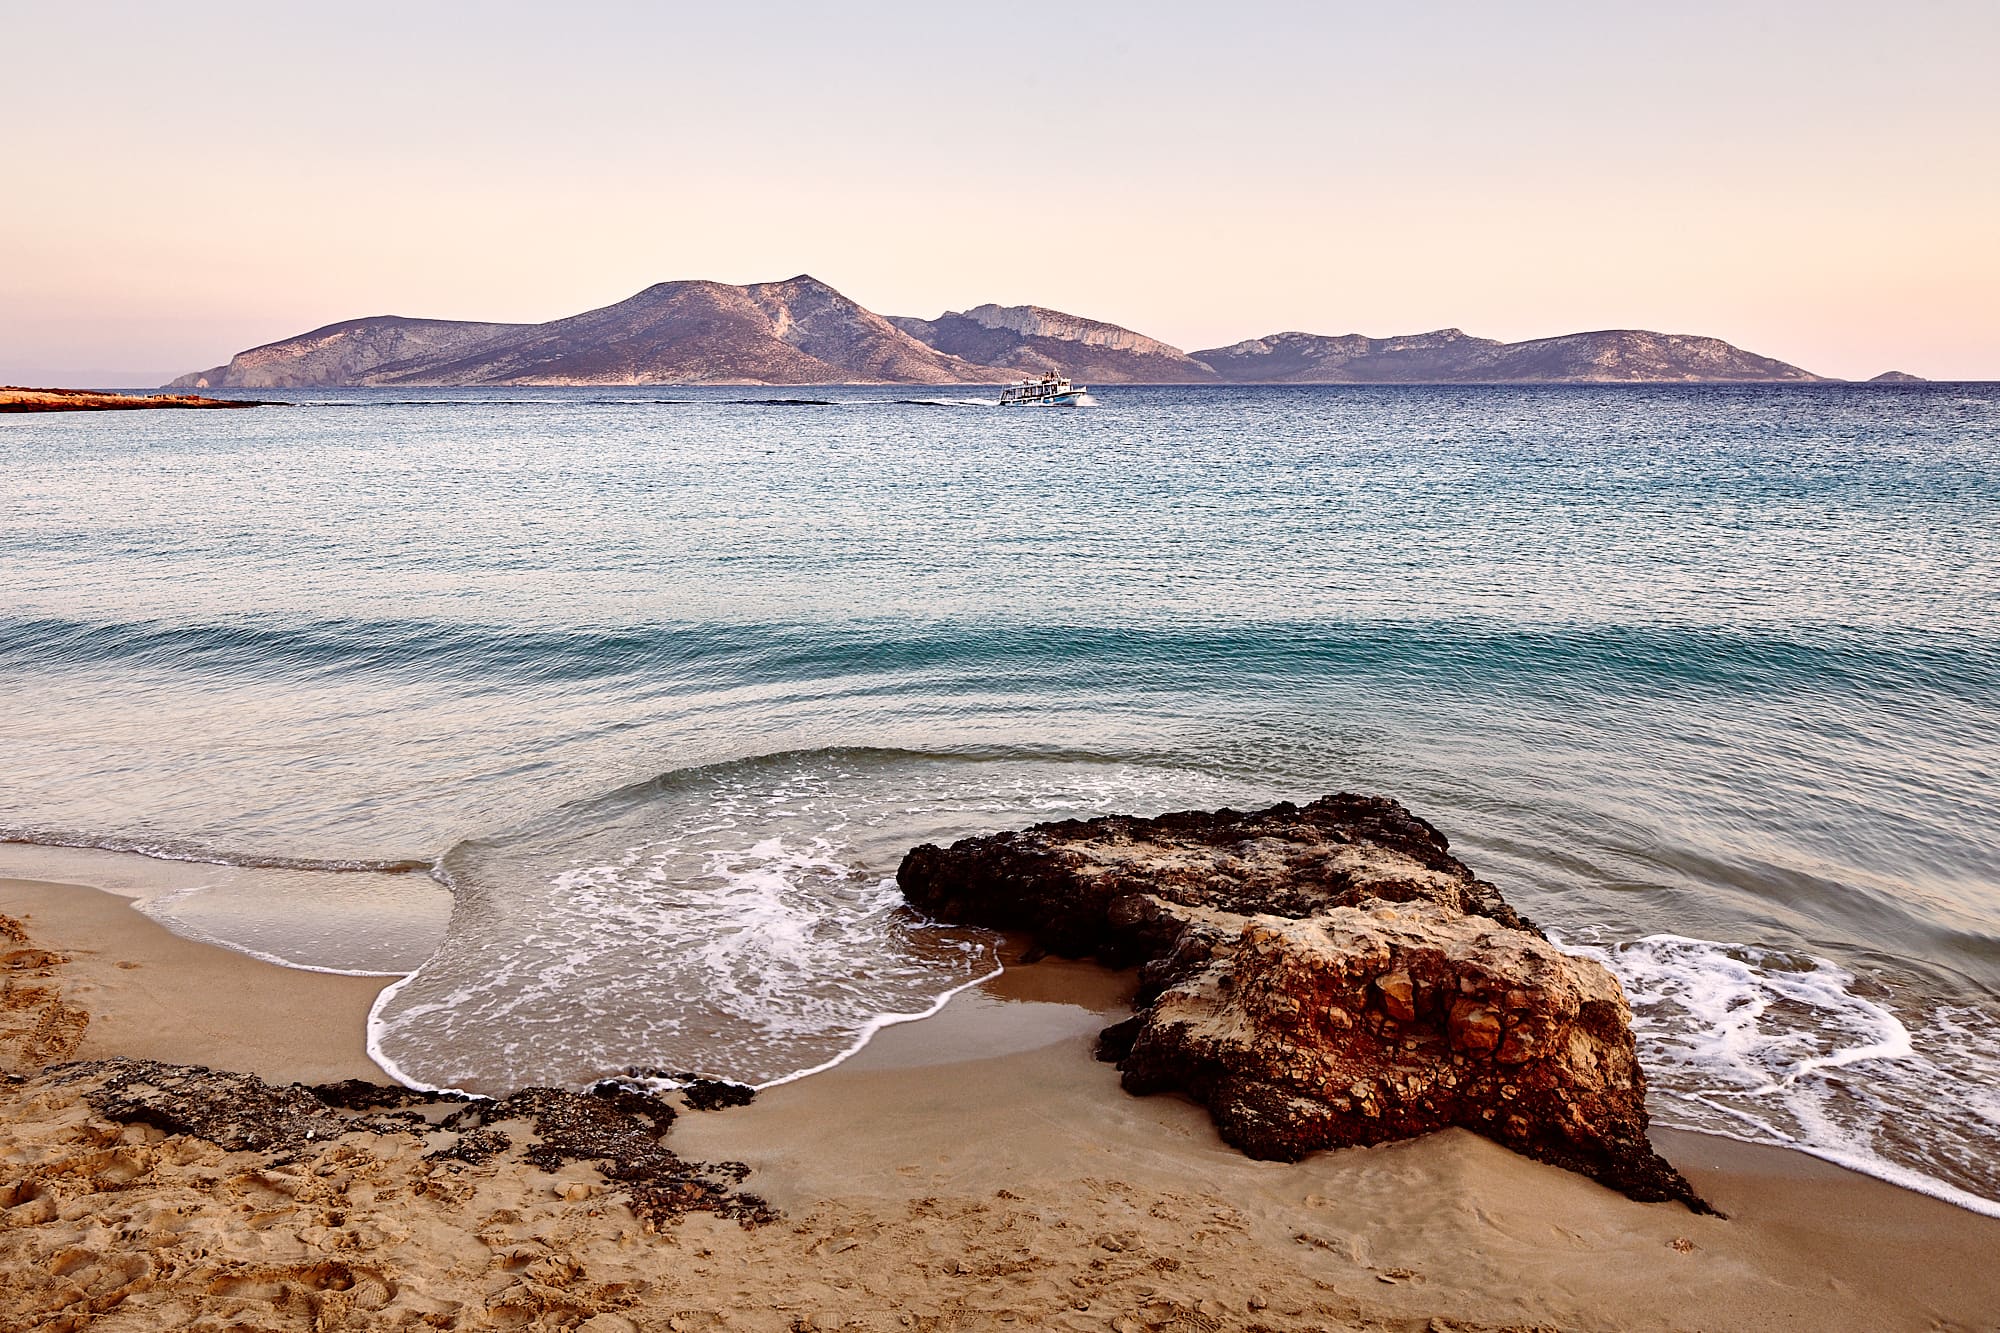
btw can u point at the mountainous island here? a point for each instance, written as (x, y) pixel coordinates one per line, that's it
(802, 331)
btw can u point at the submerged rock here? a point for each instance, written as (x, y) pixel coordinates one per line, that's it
(1322, 976)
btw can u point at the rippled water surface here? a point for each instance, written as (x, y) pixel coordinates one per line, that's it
(662, 684)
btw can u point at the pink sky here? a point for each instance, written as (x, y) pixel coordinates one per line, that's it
(1826, 192)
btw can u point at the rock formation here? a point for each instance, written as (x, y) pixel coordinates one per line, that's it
(1322, 976)
(1898, 377)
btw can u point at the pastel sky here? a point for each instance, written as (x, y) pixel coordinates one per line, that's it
(1818, 182)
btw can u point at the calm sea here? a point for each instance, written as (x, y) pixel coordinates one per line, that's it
(662, 682)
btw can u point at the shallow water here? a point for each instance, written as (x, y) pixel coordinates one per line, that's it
(663, 682)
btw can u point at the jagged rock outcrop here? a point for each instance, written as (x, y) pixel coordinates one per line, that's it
(1322, 976)
(1033, 339)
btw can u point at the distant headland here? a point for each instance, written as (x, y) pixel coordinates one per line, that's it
(16, 399)
(804, 332)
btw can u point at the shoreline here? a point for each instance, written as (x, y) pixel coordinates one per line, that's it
(983, 1152)
(154, 994)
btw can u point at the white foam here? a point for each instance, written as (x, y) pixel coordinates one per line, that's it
(732, 923)
(378, 1030)
(1768, 1046)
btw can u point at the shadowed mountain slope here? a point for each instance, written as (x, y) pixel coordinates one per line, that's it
(348, 353)
(1032, 339)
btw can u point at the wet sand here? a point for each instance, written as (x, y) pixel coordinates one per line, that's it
(975, 1170)
(153, 995)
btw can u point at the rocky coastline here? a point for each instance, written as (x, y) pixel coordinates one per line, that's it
(1324, 976)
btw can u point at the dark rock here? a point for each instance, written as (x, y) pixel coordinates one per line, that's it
(716, 1094)
(472, 1147)
(354, 1094)
(236, 1111)
(1116, 888)
(698, 1091)
(619, 1130)
(1321, 976)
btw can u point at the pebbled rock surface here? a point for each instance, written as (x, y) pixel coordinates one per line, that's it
(1323, 976)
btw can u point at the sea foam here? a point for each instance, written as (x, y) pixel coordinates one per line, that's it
(1774, 1046)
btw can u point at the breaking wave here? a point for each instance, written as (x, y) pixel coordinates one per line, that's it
(1777, 1047)
(736, 920)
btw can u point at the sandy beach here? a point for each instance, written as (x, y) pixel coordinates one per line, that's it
(975, 1170)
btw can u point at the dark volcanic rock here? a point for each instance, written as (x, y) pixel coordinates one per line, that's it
(699, 1092)
(618, 1130)
(1324, 975)
(1106, 888)
(236, 1111)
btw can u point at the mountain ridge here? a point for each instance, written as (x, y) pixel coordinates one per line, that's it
(800, 331)
(1451, 356)
(689, 331)
(1033, 339)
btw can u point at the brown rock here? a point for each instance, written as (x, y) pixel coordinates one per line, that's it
(1322, 976)
(1398, 995)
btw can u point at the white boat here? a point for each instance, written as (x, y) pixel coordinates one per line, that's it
(1051, 390)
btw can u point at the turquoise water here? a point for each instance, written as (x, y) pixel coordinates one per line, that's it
(662, 682)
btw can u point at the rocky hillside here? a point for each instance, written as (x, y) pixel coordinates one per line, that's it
(1312, 358)
(795, 332)
(1449, 356)
(1032, 339)
(348, 353)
